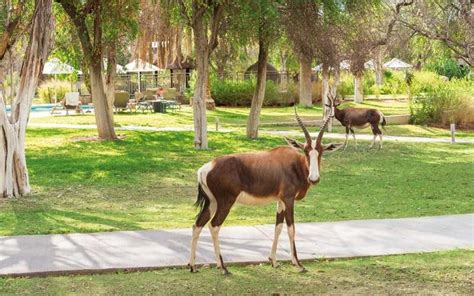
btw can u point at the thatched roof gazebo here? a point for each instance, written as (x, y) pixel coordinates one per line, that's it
(272, 73)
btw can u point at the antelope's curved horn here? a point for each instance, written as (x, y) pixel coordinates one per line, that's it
(303, 127)
(321, 132)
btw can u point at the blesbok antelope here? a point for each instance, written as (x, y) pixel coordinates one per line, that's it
(358, 118)
(280, 175)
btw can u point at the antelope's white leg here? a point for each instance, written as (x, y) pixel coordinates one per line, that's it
(354, 137)
(294, 258)
(278, 228)
(215, 240)
(345, 142)
(196, 233)
(373, 141)
(291, 236)
(290, 224)
(380, 136)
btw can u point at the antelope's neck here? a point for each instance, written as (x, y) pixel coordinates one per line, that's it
(337, 113)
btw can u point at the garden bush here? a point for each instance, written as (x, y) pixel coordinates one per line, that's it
(48, 88)
(449, 68)
(394, 83)
(240, 93)
(438, 102)
(346, 85)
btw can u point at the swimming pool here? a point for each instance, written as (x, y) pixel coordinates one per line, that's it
(48, 107)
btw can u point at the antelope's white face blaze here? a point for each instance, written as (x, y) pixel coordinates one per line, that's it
(313, 176)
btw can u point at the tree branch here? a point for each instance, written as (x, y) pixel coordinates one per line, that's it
(216, 26)
(391, 25)
(7, 39)
(183, 12)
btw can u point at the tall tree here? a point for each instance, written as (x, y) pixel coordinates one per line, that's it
(156, 25)
(370, 26)
(262, 15)
(206, 20)
(91, 38)
(303, 26)
(119, 27)
(14, 179)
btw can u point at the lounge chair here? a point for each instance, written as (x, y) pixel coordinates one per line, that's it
(70, 102)
(171, 96)
(121, 99)
(141, 102)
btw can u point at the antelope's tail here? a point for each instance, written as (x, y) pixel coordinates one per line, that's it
(382, 120)
(202, 201)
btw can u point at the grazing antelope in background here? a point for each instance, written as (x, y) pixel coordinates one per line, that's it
(280, 175)
(358, 118)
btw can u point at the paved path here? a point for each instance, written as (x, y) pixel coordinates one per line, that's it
(281, 133)
(37, 254)
(370, 137)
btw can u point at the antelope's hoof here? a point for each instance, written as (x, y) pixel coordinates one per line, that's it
(225, 272)
(275, 264)
(303, 270)
(192, 269)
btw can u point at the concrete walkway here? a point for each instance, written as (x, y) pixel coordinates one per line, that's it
(45, 254)
(371, 137)
(281, 133)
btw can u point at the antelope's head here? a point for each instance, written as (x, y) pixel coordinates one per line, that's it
(313, 148)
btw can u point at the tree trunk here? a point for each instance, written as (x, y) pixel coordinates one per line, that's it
(358, 88)
(259, 94)
(102, 111)
(92, 48)
(325, 85)
(199, 99)
(220, 69)
(325, 91)
(110, 77)
(14, 179)
(305, 82)
(378, 67)
(333, 92)
(283, 71)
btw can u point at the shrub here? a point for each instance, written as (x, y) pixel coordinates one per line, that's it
(48, 88)
(424, 81)
(346, 85)
(240, 93)
(443, 102)
(394, 83)
(449, 68)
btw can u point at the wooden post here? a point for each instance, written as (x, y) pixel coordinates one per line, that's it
(453, 130)
(217, 124)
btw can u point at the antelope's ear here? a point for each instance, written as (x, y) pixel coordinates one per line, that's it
(294, 143)
(331, 147)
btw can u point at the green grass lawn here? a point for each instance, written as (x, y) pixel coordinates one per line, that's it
(228, 116)
(236, 119)
(148, 181)
(445, 273)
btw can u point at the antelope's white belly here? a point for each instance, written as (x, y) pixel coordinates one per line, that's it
(248, 199)
(361, 126)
